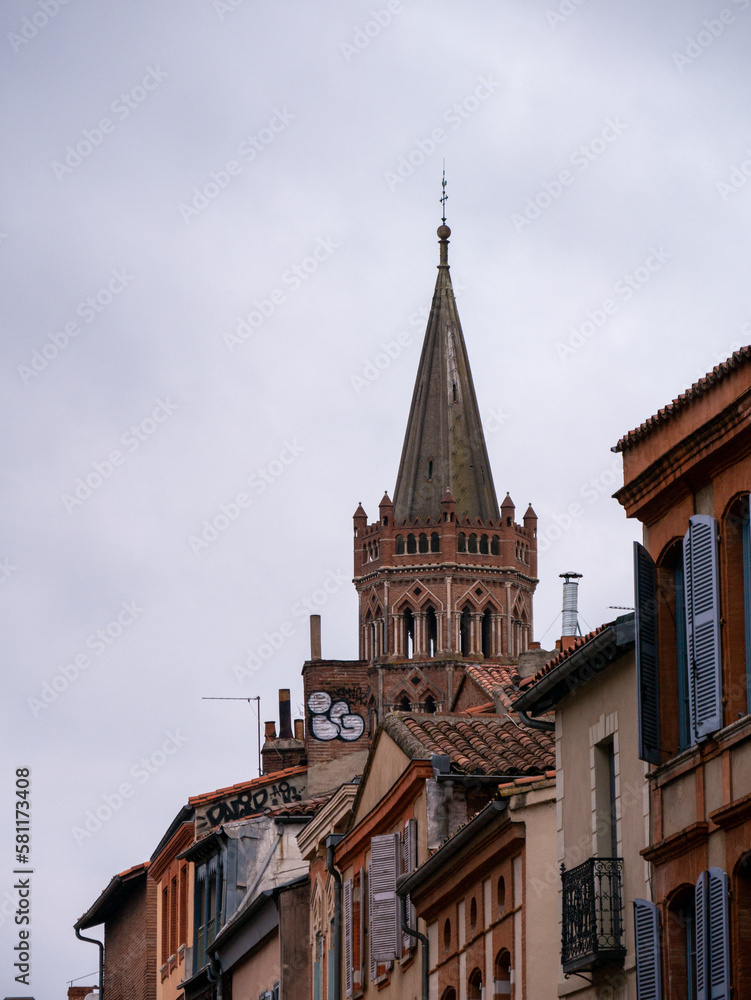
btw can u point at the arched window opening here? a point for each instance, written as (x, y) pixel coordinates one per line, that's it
(447, 935)
(472, 544)
(364, 552)
(681, 944)
(423, 542)
(399, 545)
(449, 993)
(502, 974)
(484, 550)
(435, 542)
(430, 705)
(487, 633)
(461, 542)
(409, 633)
(465, 626)
(431, 627)
(403, 705)
(501, 895)
(474, 985)
(411, 544)
(473, 916)
(495, 546)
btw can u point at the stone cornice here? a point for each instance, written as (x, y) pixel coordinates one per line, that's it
(678, 844)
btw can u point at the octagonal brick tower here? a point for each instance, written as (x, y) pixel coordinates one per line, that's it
(443, 576)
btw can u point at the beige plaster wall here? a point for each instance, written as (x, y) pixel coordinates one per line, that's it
(389, 762)
(259, 972)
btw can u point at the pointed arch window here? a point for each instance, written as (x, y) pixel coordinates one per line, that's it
(430, 705)
(431, 629)
(487, 633)
(465, 631)
(409, 633)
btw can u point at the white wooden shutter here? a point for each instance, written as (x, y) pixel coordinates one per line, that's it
(371, 959)
(348, 949)
(702, 938)
(410, 863)
(703, 625)
(647, 938)
(718, 919)
(647, 682)
(385, 933)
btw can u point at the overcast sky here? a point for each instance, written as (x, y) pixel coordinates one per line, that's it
(218, 246)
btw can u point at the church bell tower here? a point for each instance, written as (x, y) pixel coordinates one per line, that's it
(444, 577)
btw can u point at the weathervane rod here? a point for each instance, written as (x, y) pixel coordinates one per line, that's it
(444, 196)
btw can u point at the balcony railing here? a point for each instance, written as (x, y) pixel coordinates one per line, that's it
(592, 914)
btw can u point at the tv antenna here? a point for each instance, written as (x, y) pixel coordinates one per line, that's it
(256, 698)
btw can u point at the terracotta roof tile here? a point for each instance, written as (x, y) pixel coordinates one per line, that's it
(288, 772)
(496, 681)
(562, 656)
(308, 807)
(718, 374)
(476, 744)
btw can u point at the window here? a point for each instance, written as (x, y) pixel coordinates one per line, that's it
(737, 612)
(502, 974)
(208, 908)
(487, 633)
(680, 953)
(474, 985)
(607, 824)
(409, 863)
(399, 545)
(501, 895)
(447, 935)
(435, 542)
(465, 630)
(473, 916)
(409, 633)
(423, 542)
(647, 941)
(696, 586)
(495, 546)
(484, 548)
(472, 544)
(431, 628)
(385, 923)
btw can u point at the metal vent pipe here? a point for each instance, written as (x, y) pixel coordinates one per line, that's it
(570, 622)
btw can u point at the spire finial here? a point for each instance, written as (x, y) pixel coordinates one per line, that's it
(443, 230)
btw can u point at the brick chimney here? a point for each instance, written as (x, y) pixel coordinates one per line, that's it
(285, 750)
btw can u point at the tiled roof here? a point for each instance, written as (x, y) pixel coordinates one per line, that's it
(718, 374)
(308, 807)
(525, 684)
(265, 779)
(496, 681)
(100, 910)
(476, 745)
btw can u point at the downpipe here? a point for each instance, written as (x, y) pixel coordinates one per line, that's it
(100, 944)
(413, 933)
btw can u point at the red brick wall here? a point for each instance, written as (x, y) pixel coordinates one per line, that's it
(130, 940)
(337, 681)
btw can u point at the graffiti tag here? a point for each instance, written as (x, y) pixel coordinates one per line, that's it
(248, 804)
(333, 720)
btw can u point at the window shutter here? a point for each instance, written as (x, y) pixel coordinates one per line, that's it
(348, 951)
(718, 919)
(647, 683)
(330, 964)
(371, 959)
(702, 938)
(317, 980)
(410, 863)
(647, 937)
(384, 912)
(703, 624)
(746, 558)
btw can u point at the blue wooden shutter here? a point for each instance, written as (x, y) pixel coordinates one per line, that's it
(718, 919)
(702, 938)
(410, 863)
(703, 625)
(385, 933)
(647, 682)
(647, 938)
(746, 554)
(348, 949)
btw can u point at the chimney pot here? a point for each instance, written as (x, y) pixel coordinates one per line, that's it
(285, 715)
(270, 730)
(315, 637)
(299, 729)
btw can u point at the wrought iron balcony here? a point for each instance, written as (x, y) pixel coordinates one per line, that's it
(592, 914)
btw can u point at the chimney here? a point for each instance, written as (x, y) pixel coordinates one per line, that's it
(269, 730)
(300, 729)
(570, 616)
(315, 637)
(285, 715)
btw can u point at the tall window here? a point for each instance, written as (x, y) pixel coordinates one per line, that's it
(208, 909)
(487, 634)
(681, 945)
(409, 633)
(737, 611)
(431, 627)
(607, 823)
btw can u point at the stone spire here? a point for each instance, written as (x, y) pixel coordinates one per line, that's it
(444, 446)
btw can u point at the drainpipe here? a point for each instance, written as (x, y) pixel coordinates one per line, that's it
(546, 727)
(423, 941)
(331, 841)
(80, 937)
(214, 972)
